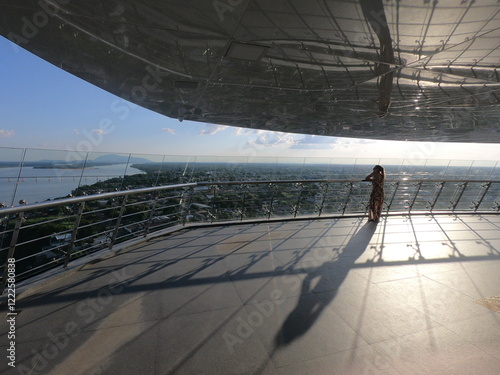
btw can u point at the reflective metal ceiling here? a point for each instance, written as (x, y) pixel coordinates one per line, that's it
(401, 70)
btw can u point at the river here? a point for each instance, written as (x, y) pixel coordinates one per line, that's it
(37, 185)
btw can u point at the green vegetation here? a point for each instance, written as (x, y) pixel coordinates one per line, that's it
(45, 234)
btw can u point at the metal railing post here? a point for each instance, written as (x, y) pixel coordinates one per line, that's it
(118, 222)
(243, 201)
(463, 185)
(73, 233)
(295, 207)
(271, 204)
(151, 214)
(185, 200)
(393, 196)
(481, 198)
(212, 205)
(410, 206)
(346, 202)
(12, 248)
(323, 198)
(433, 203)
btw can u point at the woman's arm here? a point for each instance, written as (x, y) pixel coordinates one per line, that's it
(369, 177)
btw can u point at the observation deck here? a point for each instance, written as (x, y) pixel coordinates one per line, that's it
(416, 293)
(268, 267)
(236, 276)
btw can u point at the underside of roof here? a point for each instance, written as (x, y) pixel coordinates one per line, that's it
(397, 70)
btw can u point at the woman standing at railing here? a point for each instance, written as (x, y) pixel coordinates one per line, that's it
(377, 178)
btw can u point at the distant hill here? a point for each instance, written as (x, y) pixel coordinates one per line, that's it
(119, 159)
(108, 159)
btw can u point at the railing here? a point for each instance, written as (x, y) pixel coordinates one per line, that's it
(50, 234)
(34, 175)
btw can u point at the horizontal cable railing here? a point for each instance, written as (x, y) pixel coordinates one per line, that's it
(41, 236)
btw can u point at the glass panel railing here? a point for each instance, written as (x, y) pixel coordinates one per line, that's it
(289, 168)
(482, 170)
(342, 168)
(495, 173)
(432, 169)
(334, 199)
(104, 172)
(48, 174)
(31, 175)
(45, 235)
(364, 166)
(458, 169)
(317, 168)
(412, 167)
(10, 168)
(173, 169)
(231, 169)
(144, 170)
(263, 169)
(285, 199)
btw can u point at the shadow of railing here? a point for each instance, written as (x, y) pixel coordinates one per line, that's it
(339, 266)
(153, 269)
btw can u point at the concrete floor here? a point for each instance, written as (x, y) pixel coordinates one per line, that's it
(409, 295)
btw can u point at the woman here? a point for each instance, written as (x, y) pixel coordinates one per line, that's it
(376, 204)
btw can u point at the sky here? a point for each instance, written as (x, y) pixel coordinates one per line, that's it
(44, 107)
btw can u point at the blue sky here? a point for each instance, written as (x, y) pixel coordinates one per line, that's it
(44, 107)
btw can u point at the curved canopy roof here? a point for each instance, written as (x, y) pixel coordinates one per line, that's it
(400, 70)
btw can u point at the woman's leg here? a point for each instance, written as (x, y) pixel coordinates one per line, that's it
(372, 213)
(379, 206)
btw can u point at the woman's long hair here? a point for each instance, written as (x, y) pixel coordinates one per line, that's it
(380, 169)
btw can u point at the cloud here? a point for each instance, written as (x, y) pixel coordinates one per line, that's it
(244, 131)
(99, 131)
(302, 143)
(211, 129)
(76, 131)
(168, 130)
(275, 139)
(315, 142)
(358, 145)
(4, 133)
(265, 138)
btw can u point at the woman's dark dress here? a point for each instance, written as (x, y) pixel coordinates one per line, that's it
(376, 197)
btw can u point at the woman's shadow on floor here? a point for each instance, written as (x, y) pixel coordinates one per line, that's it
(330, 276)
